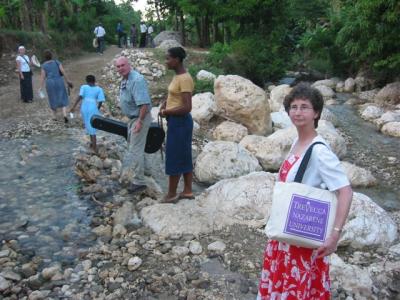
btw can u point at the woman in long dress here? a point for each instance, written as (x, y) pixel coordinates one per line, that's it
(54, 75)
(297, 273)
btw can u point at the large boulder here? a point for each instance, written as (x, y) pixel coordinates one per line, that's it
(244, 200)
(220, 160)
(277, 96)
(230, 131)
(165, 45)
(390, 94)
(280, 120)
(389, 116)
(167, 35)
(203, 107)
(368, 225)
(391, 128)
(358, 176)
(205, 75)
(351, 278)
(242, 101)
(368, 96)
(349, 85)
(271, 151)
(371, 112)
(325, 91)
(248, 200)
(328, 115)
(331, 83)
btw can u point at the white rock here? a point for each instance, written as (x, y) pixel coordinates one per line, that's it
(165, 45)
(4, 253)
(327, 115)
(8, 274)
(96, 162)
(195, 247)
(167, 35)
(239, 100)
(36, 295)
(87, 264)
(119, 231)
(391, 128)
(331, 83)
(351, 278)
(368, 225)
(134, 263)
(395, 250)
(277, 96)
(390, 94)
(389, 116)
(217, 246)
(203, 107)
(271, 151)
(325, 91)
(180, 251)
(280, 120)
(245, 200)
(371, 112)
(125, 215)
(368, 96)
(102, 230)
(4, 284)
(230, 131)
(205, 75)
(339, 87)
(349, 85)
(358, 176)
(221, 160)
(48, 273)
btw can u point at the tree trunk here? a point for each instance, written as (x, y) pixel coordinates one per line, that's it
(206, 30)
(176, 20)
(198, 30)
(228, 34)
(24, 17)
(183, 33)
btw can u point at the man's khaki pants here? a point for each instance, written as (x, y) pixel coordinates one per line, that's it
(133, 162)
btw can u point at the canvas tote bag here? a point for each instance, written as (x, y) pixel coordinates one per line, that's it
(301, 215)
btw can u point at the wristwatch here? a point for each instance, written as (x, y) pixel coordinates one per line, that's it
(337, 229)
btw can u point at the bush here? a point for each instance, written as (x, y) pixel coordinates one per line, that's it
(202, 86)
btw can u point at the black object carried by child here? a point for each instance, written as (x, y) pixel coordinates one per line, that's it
(155, 136)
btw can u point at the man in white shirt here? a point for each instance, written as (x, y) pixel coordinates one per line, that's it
(100, 33)
(25, 75)
(143, 32)
(150, 31)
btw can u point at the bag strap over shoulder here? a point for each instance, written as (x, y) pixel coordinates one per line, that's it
(304, 163)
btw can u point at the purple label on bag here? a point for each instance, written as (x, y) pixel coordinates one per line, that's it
(307, 218)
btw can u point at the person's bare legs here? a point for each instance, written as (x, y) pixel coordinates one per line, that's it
(64, 111)
(187, 189)
(93, 143)
(54, 114)
(173, 182)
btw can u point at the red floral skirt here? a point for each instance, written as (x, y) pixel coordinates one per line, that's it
(293, 273)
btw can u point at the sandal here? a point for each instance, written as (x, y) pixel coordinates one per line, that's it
(167, 199)
(187, 196)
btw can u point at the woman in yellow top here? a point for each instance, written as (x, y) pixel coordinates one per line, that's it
(178, 153)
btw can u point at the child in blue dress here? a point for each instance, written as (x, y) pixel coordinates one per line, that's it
(93, 97)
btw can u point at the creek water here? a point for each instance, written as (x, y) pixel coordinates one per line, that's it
(39, 206)
(370, 149)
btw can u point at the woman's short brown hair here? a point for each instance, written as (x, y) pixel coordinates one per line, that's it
(305, 92)
(47, 55)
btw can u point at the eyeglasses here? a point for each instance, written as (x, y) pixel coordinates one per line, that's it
(302, 108)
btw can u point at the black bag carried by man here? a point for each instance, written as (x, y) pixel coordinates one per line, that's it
(155, 136)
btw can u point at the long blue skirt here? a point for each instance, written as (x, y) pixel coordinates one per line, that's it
(57, 93)
(178, 152)
(88, 109)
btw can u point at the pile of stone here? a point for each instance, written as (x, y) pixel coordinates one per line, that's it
(142, 61)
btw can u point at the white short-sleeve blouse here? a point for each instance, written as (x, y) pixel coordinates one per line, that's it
(324, 169)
